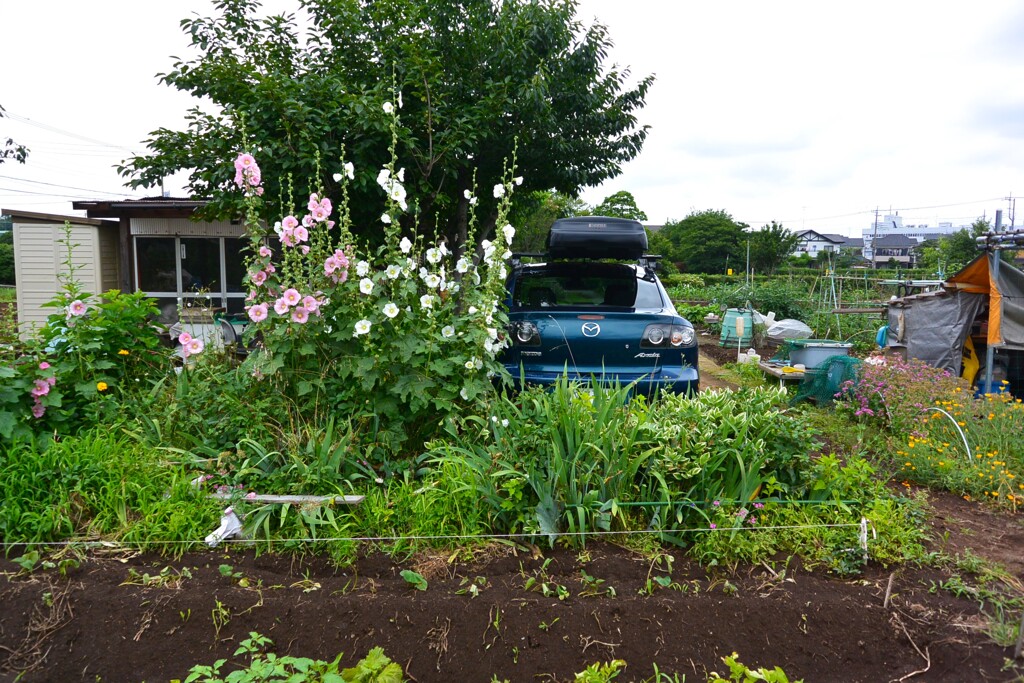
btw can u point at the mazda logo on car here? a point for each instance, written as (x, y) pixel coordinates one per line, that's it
(591, 329)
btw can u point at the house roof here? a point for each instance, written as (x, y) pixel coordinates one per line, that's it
(51, 218)
(815, 235)
(854, 242)
(895, 241)
(158, 207)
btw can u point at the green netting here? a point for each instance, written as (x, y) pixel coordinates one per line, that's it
(822, 385)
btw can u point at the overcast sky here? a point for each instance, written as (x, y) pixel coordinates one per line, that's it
(812, 114)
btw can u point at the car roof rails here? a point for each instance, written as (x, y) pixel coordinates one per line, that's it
(649, 262)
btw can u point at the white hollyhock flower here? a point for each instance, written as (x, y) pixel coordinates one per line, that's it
(499, 191)
(469, 364)
(337, 177)
(432, 281)
(383, 177)
(401, 174)
(464, 394)
(518, 180)
(362, 327)
(362, 268)
(388, 108)
(462, 266)
(509, 232)
(390, 309)
(366, 285)
(447, 331)
(385, 219)
(393, 272)
(434, 255)
(467, 194)
(350, 170)
(405, 245)
(426, 301)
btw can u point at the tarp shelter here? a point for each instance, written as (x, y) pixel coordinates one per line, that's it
(934, 326)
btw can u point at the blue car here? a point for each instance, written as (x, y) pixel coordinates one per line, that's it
(594, 308)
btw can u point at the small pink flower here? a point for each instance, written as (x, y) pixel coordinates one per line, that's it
(314, 202)
(184, 338)
(265, 251)
(281, 306)
(42, 388)
(301, 234)
(713, 525)
(44, 365)
(326, 205)
(289, 223)
(258, 278)
(331, 265)
(307, 221)
(319, 214)
(310, 303)
(76, 307)
(51, 380)
(244, 161)
(291, 296)
(38, 409)
(258, 313)
(304, 249)
(259, 191)
(195, 346)
(251, 495)
(300, 315)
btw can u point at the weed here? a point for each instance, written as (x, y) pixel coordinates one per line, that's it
(220, 616)
(414, 579)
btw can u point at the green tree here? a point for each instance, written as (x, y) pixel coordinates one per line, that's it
(12, 149)
(620, 205)
(479, 81)
(534, 216)
(705, 241)
(770, 246)
(958, 249)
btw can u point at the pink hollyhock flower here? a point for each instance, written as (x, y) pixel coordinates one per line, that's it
(38, 409)
(326, 205)
(308, 221)
(304, 249)
(258, 312)
(259, 191)
(195, 346)
(281, 306)
(310, 303)
(184, 338)
(76, 307)
(299, 315)
(265, 251)
(51, 380)
(287, 238)
(254, 179)
(301, 234)
(319, 214)
(44, 365)
(331, 265)
(314, 202)
(258, 278)
(42, 388)
(244, 161)
(271, 268)
(289, 223)
(292, 296)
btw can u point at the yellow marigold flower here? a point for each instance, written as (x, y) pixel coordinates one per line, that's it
(101, 386)
(123, 352)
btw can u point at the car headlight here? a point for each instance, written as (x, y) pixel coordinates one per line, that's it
(660, 335)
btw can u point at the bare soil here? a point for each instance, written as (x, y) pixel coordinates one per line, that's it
(101, 622)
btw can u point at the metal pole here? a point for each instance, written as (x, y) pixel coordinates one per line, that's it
(994, 259)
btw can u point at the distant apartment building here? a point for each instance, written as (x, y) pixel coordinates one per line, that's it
(893, 224)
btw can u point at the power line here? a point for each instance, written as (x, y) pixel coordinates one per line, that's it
(54, 129)
(68, 187)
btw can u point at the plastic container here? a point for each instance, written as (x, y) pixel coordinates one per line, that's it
(813, 352)
(729, 337)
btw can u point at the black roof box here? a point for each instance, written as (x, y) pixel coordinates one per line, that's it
(595, 237)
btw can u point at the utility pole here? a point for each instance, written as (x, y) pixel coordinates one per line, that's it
(1012, 205)
(874, 261)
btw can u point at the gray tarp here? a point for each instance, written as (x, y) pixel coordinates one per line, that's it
(934, 326)
(1011, 290)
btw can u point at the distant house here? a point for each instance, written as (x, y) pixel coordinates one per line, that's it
(814, 243)
(895, 246)
(150, 245)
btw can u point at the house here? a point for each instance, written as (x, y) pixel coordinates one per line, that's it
(896, 247)
(149, 244)
(813, 243)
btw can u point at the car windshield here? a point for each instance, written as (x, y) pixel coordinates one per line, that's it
(572, 285)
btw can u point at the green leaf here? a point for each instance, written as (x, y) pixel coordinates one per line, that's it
(414, 579)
